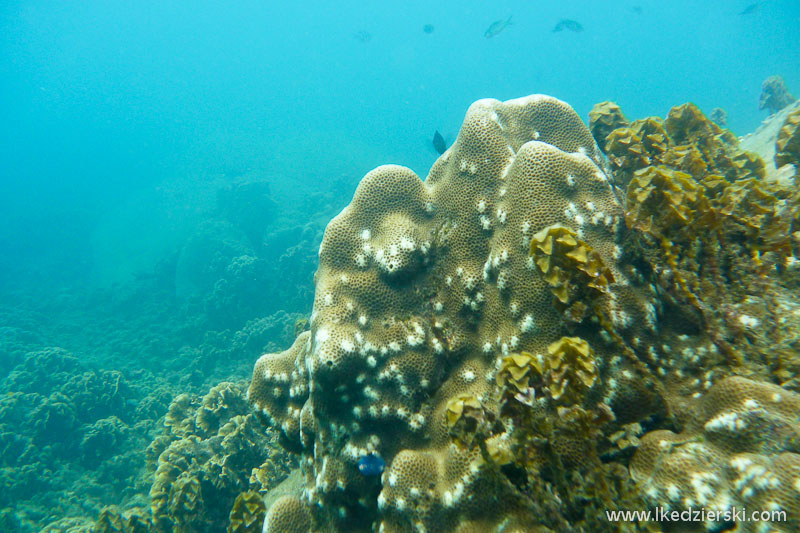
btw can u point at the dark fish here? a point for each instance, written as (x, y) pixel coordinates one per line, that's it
(438, 143)
(363, 36)
(371, 465)
(428, 28)
(752, 8)
(637, 9)
(567, 24)
(496, 27)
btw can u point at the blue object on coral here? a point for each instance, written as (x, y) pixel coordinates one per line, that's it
(371, 465)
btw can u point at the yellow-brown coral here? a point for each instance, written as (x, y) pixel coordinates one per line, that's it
(739, 452)
(603, 119)
(423, 288)
(788, 143)
(575, 272)
(247, 515)
(572, 368)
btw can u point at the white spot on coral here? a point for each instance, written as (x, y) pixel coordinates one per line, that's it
(447, 499)
(673, 493)
(749, 321)
(729, 421)
(750, 403)
(321, 336)
(526, 324)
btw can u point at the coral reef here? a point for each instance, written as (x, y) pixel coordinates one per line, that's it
(515, 337)
(422, 290)
(247, 513)
(503, 334)
(719, 117)
(288, 514)
(686, 141)
(711, 229)
(604, 118)
(788, 143)
(205, 460)
(59, 417)
(739, 451)
(763, 142)
(71, 445)
(775, 95)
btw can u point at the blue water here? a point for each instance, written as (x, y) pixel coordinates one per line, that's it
(122, 124)
(103, 102)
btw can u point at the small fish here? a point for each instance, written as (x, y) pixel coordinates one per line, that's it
(752, 8)
(567, 24)
(428, 28)
(363, 36)
(496, 27)
(371, 465)
(439, 143)
(637, 9)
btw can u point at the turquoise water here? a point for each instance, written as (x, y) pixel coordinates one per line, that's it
(133, 238)
(103, 102)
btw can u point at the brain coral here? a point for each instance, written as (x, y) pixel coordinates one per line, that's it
(422, 289)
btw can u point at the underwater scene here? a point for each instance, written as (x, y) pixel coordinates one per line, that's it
(399, 267)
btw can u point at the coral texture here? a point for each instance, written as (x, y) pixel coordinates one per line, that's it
(422, 289)
(603, 119)
(788, 143)
(774, 94)
(719, 116)
(205, 462)
(740, 451)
